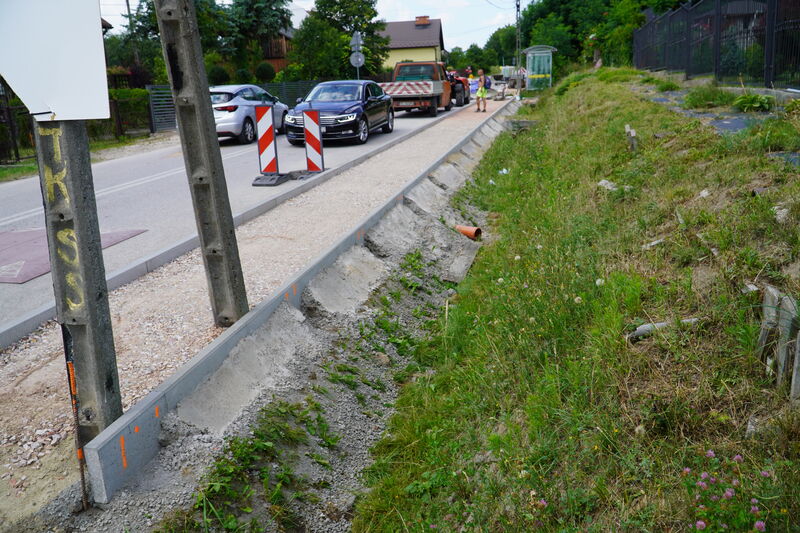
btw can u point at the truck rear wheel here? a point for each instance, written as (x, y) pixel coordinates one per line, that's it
(460, 96)
(433, 110)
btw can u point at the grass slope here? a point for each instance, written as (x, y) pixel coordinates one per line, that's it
(539, 415)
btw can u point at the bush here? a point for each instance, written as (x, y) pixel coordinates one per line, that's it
(708, 96)
(243, 75)
(750, 102)
(265, 72)
(218, 75)
(793, 107)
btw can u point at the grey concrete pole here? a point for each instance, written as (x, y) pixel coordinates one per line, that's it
(79, 276)
(180, 41)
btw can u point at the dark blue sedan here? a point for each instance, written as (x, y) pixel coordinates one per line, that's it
(348, 109)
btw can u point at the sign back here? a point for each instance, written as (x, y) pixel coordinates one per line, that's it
(53, 57)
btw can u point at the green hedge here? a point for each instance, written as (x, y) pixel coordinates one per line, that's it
(133, 109)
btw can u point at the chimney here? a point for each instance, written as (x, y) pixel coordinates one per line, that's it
(422, 21)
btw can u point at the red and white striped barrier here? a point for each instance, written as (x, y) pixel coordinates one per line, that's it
(313, 133)
(267, 147)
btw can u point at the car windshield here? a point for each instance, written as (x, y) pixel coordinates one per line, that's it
(337, 92)
(414, 73)
(220, 98)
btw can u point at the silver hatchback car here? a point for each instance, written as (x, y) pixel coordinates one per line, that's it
(235, 110)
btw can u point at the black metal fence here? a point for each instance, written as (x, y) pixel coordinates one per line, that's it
(757, 41)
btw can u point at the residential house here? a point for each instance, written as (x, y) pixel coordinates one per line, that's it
(415, 40)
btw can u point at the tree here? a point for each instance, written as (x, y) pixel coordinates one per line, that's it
(552, 31)
(456, 58)
(348, 16)
(503, 42)
(321, 50)
(258, 22)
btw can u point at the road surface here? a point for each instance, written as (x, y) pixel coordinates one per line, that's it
(149, 191)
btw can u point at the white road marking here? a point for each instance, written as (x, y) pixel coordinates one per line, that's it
(116, 188)
(11, 270)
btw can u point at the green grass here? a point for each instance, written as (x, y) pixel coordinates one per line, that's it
(708, 96)
(667, 85)
(539, 415)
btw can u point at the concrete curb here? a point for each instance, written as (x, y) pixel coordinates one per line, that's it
(124, 448)
(11, 332)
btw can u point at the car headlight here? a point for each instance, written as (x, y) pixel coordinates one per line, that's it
(291, 119)
(346, 118)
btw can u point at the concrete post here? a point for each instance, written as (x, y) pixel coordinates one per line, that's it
(180, 41)
(79, 277)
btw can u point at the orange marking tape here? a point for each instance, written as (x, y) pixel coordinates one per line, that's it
(286, 296)
(71, 370)
(294, 290)
(80, 454)
(157, 412)
(136, 429)
(122, 451)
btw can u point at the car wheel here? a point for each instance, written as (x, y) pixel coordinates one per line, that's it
(248, 134)
(460, 96)
(389, 126)
(363, 131)
(294, 142)
(433, 110)
(283, 123)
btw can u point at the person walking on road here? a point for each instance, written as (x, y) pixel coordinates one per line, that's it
(480, 95)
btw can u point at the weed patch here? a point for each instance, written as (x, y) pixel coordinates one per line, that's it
(708, 96)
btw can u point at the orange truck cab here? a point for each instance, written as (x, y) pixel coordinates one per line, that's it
(420, 85)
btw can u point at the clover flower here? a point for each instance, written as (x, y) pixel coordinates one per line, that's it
(760, 525)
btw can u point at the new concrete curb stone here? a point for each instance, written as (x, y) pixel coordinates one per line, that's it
(11, 332)
(120, 452)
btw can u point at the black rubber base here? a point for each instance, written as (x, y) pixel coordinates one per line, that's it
(271, 180)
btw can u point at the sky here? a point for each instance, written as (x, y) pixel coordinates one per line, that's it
(463, 21)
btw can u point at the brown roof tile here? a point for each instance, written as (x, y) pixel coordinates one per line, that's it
(406, 34)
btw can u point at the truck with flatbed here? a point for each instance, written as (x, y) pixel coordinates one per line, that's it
(425, 85)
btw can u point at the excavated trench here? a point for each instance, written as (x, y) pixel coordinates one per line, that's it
(345, 349)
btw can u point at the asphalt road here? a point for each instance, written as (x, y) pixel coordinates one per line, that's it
(149, 191)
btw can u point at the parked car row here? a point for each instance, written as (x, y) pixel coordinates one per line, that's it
(349, 109)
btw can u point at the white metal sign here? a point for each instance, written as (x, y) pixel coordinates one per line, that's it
(52, 57)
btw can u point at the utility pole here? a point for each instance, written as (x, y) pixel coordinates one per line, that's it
(79, 277)
(517, 54)
(130, 33)
(180, 41)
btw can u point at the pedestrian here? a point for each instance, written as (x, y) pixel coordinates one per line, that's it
(481, 93)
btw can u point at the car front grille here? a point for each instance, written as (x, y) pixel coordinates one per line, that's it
(325, 120)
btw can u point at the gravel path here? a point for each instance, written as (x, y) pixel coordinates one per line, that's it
(163, 319)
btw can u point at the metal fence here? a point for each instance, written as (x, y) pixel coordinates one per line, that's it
(756, 41)
(289, 91)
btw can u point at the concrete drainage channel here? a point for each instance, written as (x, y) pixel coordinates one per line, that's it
(276, 344)
(14, 331)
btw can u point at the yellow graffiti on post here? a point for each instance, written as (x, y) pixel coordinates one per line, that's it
(74, 282)
(53, 180)
(67, 236)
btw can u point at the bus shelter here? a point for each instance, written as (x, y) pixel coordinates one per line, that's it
(540, 66)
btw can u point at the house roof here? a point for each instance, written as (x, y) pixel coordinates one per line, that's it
(407, 34)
